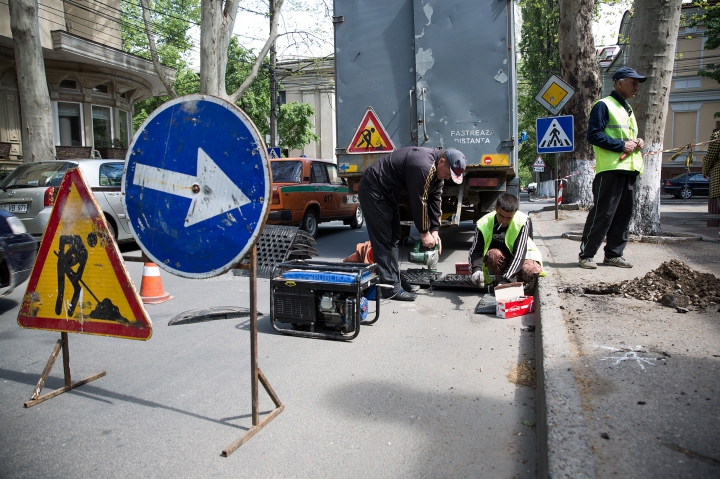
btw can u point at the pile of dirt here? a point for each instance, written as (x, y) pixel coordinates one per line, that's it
(673, 284)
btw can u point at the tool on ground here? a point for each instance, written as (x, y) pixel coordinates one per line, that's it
(425, 256)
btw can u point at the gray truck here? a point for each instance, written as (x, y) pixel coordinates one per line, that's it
(433, 73)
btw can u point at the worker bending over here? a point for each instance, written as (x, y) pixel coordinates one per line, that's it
(503, 246)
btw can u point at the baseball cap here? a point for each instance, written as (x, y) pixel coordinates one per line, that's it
(627, 72)
(456, 160)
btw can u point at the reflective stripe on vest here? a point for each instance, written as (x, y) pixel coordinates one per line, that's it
(485, 225)
(621, 126)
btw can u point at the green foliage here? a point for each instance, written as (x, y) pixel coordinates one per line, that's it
(294, 126)
(170, 20)
(539, 60)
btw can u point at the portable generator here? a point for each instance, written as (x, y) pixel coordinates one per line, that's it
(322, 300)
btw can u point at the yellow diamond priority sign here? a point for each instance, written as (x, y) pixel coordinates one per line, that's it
(554, 94)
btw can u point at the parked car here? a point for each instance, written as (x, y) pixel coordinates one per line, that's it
(307, 192)
(687, 185)
(30, 190)
(17, 253)
(532, 187)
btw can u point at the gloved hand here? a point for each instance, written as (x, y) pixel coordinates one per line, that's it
(478, 278)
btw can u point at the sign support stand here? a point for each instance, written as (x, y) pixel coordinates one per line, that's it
(557, 182)
(62, 343)
(255, 372)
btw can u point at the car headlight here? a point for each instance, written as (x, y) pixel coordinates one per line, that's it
(16, 225)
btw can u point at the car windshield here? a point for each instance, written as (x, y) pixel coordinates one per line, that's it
(31, 175)
(286, 171)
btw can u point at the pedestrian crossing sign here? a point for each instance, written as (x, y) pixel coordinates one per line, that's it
(555, 134)
(370, 136)
(79, 284)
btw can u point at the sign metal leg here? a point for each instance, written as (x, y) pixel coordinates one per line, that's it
(255, 372)
(62, 343)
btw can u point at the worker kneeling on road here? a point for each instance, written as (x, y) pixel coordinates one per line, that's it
(503, 246)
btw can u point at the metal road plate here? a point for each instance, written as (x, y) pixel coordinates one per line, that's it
(456, 281)
(196, 185)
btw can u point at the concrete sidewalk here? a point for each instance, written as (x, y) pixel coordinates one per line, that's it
(628, 388)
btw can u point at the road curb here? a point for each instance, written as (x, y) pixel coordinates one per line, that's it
(667, 238)
(563, 444)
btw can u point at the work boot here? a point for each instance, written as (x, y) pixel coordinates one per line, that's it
(587, 263)
(618, 261)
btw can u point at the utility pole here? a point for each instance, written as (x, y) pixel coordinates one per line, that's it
(273, 86)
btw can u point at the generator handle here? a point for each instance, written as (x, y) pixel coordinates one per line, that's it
(412, 130)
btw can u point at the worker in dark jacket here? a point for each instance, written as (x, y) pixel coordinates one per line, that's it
(612, 131)
(412, 175)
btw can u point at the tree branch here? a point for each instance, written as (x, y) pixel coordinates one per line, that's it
(153, 50)
(261, 56)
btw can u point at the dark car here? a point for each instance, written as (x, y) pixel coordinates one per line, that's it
(18, 250)
(687, 185)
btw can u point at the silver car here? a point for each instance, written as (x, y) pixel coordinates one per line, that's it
(30, 190)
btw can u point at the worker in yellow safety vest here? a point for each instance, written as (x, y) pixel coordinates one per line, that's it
(503, 246)
(612, 131)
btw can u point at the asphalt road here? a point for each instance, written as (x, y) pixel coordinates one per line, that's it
(425, 392)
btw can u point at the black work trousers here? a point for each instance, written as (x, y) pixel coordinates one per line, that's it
(382, 218)
(610, 214)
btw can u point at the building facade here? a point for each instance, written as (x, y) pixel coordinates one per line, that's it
(93, 84)
(312, 81)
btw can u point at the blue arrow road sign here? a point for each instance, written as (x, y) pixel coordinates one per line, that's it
(196, 184)
(555, 134)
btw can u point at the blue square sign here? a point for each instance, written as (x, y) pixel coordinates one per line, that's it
(555, 134)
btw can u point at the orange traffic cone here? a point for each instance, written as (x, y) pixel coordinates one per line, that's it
(151, 288)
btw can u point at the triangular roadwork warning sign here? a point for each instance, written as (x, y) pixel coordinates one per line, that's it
(539, 163)
(78, 283)
(370, 136)
(555, 137)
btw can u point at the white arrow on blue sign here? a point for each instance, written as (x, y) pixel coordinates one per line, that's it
(195, 186)
(555, 134)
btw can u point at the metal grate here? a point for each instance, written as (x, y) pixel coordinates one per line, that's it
(456, 281)
(419, 276)
(278, 244)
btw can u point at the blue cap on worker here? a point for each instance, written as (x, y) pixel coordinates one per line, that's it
(627, 72)
(456, 160)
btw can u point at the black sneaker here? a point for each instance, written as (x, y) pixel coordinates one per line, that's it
(403, 295)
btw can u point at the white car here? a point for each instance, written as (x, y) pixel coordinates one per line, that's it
(29, 192)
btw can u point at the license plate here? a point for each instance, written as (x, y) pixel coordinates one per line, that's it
(353, 199)
(14, 208)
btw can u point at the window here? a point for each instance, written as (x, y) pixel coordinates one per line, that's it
(111, 174)
(101, 89)
(286, 171)
(102, 127)
(319, 173)
(69, 124)
(333, 174)
(68, 85)
(123, 128)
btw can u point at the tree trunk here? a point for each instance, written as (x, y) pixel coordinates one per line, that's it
(37, 127)
(652, 53)
(216, 26)
(579, 68)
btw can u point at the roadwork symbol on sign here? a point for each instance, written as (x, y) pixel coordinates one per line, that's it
(370, 136)
(555, 134)
(197, 186)
(539, 163)
(79, 283)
